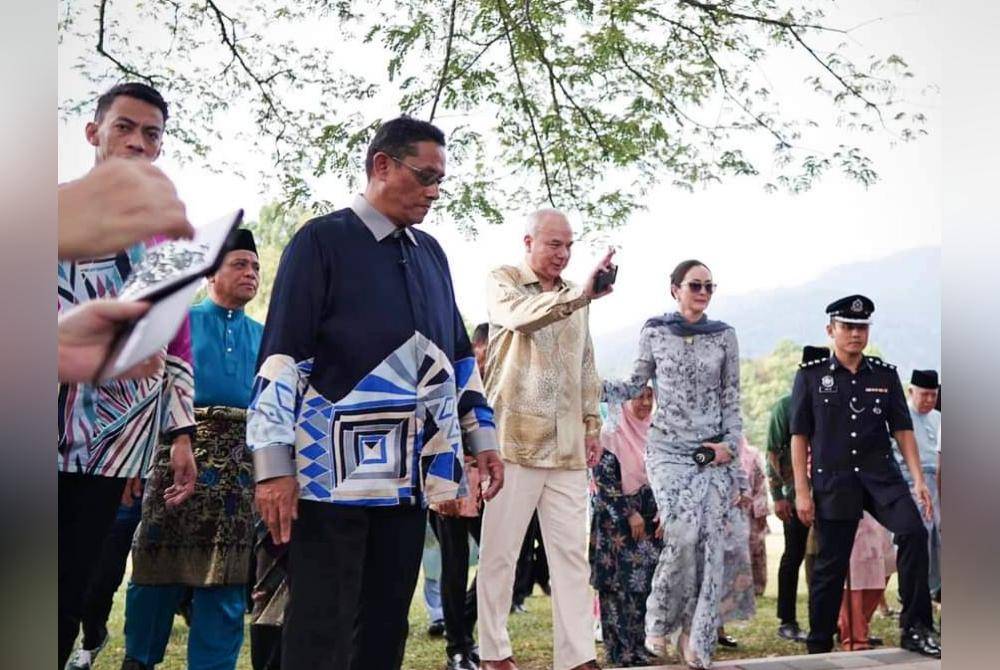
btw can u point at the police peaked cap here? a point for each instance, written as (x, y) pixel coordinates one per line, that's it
(852, 309)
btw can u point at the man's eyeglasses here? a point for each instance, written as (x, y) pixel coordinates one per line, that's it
(425, 177)
(696, 286)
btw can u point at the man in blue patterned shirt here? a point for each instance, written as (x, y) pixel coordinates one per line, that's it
(366, 396)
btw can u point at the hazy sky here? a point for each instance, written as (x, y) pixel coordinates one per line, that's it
(750, 239)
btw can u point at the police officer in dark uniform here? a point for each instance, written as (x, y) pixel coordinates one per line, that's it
(843, 410)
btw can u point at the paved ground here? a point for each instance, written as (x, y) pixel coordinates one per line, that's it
(896, 659)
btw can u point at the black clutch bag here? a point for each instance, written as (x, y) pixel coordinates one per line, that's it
(705, 455)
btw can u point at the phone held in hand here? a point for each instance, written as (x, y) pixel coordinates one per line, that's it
(168, 277)
(605, 279)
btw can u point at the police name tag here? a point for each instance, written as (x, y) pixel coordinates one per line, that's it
(876, 390)
(827, 385)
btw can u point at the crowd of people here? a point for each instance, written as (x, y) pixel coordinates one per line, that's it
(290, 469)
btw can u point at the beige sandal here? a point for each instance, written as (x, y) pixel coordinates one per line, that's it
(684, 652)
(656, 645)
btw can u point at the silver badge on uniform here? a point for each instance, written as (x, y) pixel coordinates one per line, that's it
(826, 384)
(876, 410)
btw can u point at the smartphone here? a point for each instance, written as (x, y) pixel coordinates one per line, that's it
(605, 279)
(167, 278)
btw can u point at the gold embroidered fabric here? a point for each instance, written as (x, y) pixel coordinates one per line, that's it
(540, 376)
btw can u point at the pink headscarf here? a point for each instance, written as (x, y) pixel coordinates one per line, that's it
(628, 443)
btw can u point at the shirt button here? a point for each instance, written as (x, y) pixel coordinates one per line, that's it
(854, 417)
(878, 400)
(230, 349)
(826, 400)
(819, 469)
(854, 381)
(854, 399)
(854, 451)
(857, 469)
(854, 434)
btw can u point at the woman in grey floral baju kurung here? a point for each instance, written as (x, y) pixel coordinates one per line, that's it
(694, 365)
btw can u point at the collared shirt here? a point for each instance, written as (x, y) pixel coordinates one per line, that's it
(779, 447)
(111, 430)
(927, 432)
(225, 344)
(367, 387)
(848, 417)
(540, 373)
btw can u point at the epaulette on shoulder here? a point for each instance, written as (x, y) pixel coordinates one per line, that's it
(812, 363)
(879, 362)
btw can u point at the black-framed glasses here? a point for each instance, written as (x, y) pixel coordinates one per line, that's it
(425, 177)
(697, 286)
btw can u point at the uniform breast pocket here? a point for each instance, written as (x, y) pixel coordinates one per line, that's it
(826, 402)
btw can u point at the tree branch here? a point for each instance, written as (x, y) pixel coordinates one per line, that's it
(678, 112)
(719, 9)
(505, 18)
(722, 74)
(447, 59)
(261, 83)
(853, 90)
(790, 27)
(100, 47)
(540, 50)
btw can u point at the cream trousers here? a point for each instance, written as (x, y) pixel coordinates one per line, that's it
(560, 496)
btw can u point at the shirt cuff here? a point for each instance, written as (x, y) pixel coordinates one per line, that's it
(274, 460)
(170, 435)
(576, 301)
(480, 440)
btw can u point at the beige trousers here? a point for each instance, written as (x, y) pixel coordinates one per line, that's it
(561, 499)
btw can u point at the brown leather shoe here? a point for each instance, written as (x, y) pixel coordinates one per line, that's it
(505, 664)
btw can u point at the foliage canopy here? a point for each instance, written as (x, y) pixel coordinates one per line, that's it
(583, 104)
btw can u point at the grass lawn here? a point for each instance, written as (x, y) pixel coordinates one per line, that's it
(531, 632)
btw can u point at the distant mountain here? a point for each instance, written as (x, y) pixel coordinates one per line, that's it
(906, 288)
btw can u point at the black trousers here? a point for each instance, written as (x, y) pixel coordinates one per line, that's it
(458, 599)
(87, 506)
(108, 576)
(532, 565)
(836, 539)
(265, 647)
(351, 575)
(796, 534)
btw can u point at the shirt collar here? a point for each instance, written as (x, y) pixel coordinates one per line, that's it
(835, 363)
(222, 312)
(376, 222)
(528, 275)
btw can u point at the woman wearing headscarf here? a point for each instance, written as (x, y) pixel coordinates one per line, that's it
(692, 467)
(625, 538)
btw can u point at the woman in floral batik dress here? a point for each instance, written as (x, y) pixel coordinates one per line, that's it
(625, 537)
